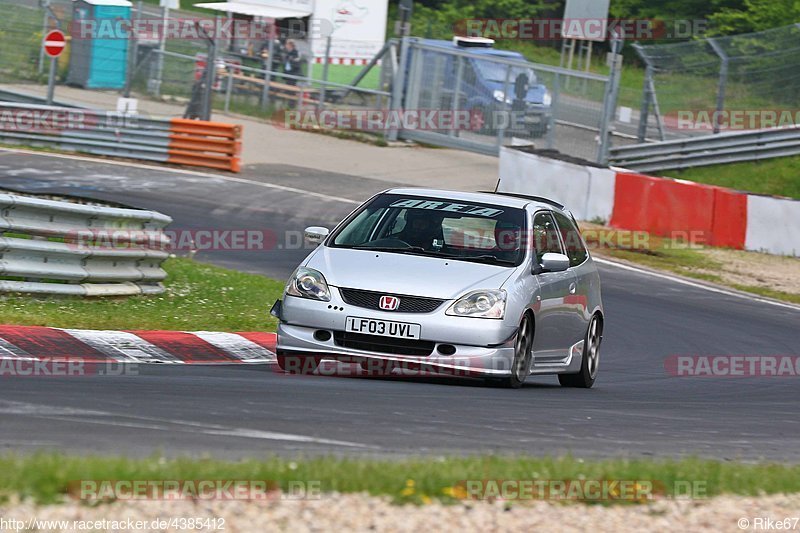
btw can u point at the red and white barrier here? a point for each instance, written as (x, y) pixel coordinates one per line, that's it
(662, 206)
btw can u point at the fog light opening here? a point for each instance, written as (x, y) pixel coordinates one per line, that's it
(322, 336)
(446, 349)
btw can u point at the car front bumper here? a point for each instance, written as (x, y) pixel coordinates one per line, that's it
(482, 347)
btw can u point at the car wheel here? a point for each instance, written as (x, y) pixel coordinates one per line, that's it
(297, 364)
(591, 358)
(523, 351)
(539, 130)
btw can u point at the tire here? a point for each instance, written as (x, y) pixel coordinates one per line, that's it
(590, 360)
(523, 352)
(297, 364)
(540, 130)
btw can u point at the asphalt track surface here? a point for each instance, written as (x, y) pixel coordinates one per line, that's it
(635, 410)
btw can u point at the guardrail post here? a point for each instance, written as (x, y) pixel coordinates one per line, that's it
(508, 115)
(325, 69)
(551, 133)
(133, 52)
(162, 47)
(456, 94)
(268, 69)
(398, 84)
(229, 90)
(610, 101)
(723, 81)
(45, 26)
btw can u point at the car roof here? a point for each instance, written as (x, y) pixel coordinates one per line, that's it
(500, 199)
(477, 50)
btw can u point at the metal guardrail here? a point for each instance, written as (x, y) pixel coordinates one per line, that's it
(176, 141)
(55, 247)
(710, 150)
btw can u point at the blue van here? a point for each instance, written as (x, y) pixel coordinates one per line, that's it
(484, 83)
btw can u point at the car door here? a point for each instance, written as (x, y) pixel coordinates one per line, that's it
(585, 276)
(554, 318)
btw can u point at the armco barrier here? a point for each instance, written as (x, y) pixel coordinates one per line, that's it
(47, 247)
(177, 141)
(662, 206)
(205, 144)
(729, 147)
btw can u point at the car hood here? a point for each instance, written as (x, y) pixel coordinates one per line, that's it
(412, 275)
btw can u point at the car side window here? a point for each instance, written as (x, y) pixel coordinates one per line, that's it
(545, 236)
(576, 251)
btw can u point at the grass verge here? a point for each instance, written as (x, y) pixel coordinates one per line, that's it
(740, 270)
(777, 177)
(47, 477)
(198, 297)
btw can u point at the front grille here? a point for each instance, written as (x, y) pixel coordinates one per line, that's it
(376, 343)
(408, 304)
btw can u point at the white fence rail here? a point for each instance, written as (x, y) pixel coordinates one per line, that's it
(58, 247)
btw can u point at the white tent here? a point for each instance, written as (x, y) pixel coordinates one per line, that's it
(357, 27)
(257, 9)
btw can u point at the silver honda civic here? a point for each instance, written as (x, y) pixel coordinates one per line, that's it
(490, 285)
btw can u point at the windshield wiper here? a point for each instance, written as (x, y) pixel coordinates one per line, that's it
(416, 250)
(489, 258)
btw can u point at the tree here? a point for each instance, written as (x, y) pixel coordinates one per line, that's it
(756, 15)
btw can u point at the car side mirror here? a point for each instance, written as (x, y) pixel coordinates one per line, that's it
(315, 234)
(554, 263)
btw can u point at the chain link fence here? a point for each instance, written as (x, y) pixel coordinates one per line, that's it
(23, 25)
(691, 88)
(503, 98)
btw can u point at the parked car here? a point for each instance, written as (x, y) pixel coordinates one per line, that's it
(477, 284)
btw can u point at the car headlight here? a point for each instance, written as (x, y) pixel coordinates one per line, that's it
(500, 96)
(308, 283)
(480, 304)
(548, 99)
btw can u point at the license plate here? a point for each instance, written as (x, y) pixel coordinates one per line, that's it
(383, 328)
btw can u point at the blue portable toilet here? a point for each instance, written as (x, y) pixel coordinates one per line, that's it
(99, 46)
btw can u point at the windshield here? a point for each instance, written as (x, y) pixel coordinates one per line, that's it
(498, 72)
(437, 227)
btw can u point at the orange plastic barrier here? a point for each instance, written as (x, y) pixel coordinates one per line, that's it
(205, 144)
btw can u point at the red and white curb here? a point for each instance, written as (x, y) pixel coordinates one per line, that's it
(170, 347)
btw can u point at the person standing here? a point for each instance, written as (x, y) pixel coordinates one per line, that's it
(291, 62)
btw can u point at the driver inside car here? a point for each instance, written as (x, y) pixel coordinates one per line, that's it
(507, 239)
(423, 229)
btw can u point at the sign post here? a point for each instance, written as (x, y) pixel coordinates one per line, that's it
(54, 43)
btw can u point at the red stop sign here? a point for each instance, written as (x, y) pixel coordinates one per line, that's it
(54, 43)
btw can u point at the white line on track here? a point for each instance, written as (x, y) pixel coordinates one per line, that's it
(105, 418)
(682, 281)
(185, 172)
